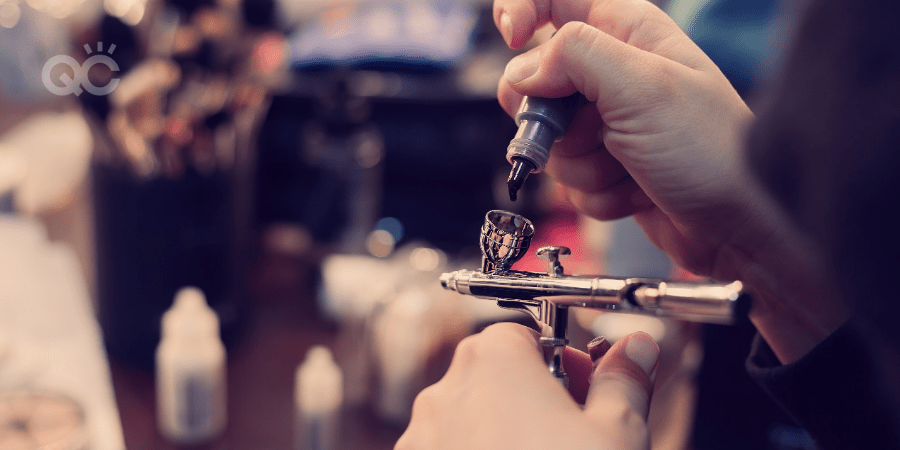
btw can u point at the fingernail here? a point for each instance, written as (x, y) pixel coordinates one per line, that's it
(521, 67)
(506, 28)
(642, 353)
(596, 349)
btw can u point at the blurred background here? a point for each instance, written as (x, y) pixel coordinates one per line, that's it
(311, 167)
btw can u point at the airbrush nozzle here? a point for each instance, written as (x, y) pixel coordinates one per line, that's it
(520, 170)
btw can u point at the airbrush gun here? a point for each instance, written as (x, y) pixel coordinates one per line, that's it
(547, 297)
(541, 121)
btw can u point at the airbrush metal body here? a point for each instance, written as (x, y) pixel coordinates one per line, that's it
(546, 296)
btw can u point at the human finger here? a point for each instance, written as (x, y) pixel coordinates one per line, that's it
(424, 416)
(620, 200)
(521, 344)
(605, 69)
(509, 99)
(517, 20)
(495, 350)
(488, 368)
(638, 22)
(622, 383)
(578, 367)
(593, 171)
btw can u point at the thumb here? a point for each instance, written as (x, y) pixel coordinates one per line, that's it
(622, 382)
(583, 58)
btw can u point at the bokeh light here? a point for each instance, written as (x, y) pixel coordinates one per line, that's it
(380, 243)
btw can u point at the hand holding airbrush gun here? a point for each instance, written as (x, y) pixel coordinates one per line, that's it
(661, 139)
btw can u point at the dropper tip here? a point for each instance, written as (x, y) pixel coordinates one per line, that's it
(517, 176)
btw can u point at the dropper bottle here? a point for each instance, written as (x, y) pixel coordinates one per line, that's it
(190, 371)
(541, 121)
(318, 396)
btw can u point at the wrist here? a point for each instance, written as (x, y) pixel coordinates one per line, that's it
(795, 306)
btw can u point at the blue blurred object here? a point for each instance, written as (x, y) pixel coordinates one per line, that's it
(12, 172)
(392, 226)
(24, 49)
(630, 253)
(411, 35)
(6, 203)
(740, 36)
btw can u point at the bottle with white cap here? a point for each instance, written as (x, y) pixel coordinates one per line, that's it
(190, 371)
(318, 396)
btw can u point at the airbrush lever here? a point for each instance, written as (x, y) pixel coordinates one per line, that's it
(506, 237)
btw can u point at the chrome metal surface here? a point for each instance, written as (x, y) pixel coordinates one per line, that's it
(547, 297)
(553, 254)
(554, 322)
(696, 302)
(505, 238)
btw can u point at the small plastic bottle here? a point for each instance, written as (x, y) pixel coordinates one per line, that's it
(190, 371)
(318, 396)
(403, 340)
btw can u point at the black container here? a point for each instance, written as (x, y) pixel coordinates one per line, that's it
(156, 236)
(443, 153)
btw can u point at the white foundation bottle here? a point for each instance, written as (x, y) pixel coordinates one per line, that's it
(190, 371)
(318, 396)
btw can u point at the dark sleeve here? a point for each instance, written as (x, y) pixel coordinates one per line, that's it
(831, 392)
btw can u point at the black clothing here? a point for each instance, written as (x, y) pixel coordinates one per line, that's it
(831, 392)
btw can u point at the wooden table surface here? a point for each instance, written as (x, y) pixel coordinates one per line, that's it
(260, 375)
